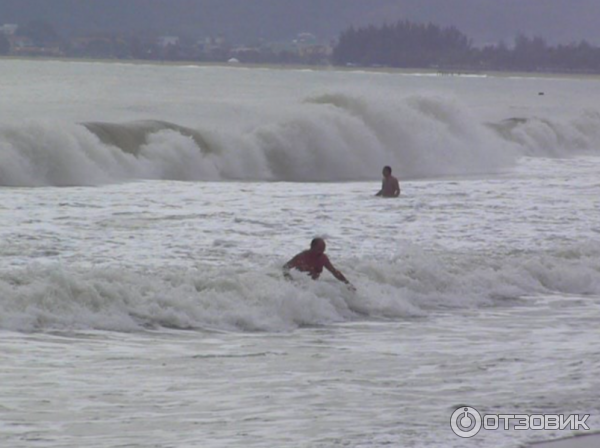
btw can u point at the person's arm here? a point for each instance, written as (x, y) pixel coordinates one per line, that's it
(286, 269)
(337, 274)
(396, 188)
(380, 192)
(289, 265)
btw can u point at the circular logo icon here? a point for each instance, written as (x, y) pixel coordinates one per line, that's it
(465, 422)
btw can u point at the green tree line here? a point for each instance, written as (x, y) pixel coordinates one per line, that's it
(411, 45)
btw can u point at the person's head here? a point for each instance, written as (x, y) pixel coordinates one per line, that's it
(317, 245)
(387, 171)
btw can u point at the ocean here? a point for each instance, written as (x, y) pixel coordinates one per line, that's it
(146, 211)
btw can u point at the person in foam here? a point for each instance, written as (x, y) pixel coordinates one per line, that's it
(312, 261)
(390, 187)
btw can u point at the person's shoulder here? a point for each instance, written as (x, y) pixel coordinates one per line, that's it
(303, 254)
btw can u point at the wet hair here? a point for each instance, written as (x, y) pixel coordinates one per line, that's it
(387, 168)
(315, 241)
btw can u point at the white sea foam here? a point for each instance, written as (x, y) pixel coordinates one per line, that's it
(42, 297)
(479, 290)
(554, 138)
(331, 137)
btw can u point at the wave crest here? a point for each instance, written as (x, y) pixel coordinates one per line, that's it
(331, 137)
(42, 297)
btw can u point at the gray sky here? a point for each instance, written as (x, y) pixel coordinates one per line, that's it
(486, 21)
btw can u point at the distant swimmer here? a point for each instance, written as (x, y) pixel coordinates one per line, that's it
(312, 261)
(390, 188)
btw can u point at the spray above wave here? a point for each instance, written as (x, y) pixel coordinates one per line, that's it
(543, 137)
(43, 297)
(333, 137)
(425, 136)
(57, 154)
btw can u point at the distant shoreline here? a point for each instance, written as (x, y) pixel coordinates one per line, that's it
(388, 70)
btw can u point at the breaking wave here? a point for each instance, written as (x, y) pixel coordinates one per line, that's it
(332, 137)
(540, 137)
(49, 297)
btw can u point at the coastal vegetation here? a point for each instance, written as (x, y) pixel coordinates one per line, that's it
(412, 45)
(404, 44)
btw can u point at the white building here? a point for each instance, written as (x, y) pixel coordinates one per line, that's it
(8, 29)
(165, 41)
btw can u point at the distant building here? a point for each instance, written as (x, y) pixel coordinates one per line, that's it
(20, 43)
(217, 49)
(24, 46)
(166, 41)
(216, 43)
(246, 54)
(316, 50)
(82, 43)
(220, 41)
(306, 38)
(9, 29)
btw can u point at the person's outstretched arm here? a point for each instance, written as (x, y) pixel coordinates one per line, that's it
(289, 265)
(337, 274)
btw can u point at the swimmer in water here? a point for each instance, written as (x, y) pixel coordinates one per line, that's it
(390, 187)
(312, 261)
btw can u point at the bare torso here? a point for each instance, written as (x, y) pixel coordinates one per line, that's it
(390, 187)
(310, 263)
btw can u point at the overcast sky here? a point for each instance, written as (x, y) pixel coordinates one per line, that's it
(486, 21)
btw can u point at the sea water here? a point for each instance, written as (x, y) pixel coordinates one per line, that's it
(146, 210)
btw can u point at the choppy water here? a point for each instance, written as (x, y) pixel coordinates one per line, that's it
(140, 309)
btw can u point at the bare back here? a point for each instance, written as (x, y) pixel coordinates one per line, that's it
(390, 187)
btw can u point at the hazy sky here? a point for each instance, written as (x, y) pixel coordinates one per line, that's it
(244, 20)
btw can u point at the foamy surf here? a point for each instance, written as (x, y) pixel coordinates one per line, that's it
(331, 137)
(157, 308)
(416, 284)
